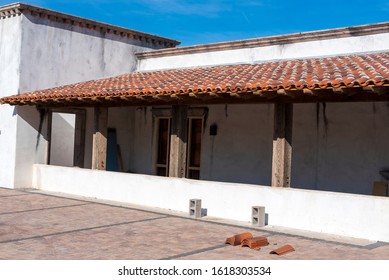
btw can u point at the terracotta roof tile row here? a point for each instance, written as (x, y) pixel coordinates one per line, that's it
(311, 73)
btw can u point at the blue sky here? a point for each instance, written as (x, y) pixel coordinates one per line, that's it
(198, 21)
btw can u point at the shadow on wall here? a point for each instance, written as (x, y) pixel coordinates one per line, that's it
(62, 139)
(37, 120)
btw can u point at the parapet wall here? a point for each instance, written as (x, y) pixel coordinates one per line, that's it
(358, 216)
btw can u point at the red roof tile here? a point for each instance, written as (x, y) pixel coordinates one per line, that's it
(311, 73)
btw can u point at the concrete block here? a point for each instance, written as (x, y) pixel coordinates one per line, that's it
(195, 208)
(258, 217)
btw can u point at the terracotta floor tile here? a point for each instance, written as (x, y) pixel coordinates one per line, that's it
(42, 226)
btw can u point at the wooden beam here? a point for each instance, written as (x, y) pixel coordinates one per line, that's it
(379, 90)
(294, 93)
(269, 95)
(178, 141)
(310, 92)
(146, 98)
(97, 99)
(282, 144)
(99, 152)
(194, 95)
(213, 95)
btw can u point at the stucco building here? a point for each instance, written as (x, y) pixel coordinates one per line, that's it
(296, 123)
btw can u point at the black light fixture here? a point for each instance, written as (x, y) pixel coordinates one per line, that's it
(213, 130)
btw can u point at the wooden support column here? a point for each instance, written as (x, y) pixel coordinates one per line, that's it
(282, 145)
(99, 152)
(178, 141)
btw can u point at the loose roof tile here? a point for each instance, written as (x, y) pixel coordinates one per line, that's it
(283, 250)
(358, 70)
(238, 239)
(255, 243)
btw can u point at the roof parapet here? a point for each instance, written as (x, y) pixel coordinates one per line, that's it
(10, 10)
(21, 8)
(360, 30)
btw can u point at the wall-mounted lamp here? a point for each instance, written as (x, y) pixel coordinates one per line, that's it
(213, 130)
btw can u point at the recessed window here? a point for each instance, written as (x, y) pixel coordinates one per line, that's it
(163, 147)
(195, 123)
(195, 131)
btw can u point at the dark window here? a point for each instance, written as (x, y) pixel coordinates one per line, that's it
(163, 145)
(195, 129)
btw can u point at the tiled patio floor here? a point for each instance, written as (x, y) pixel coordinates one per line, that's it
(38, 225)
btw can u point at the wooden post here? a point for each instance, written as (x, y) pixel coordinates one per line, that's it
(178, 141)
(282, 145)
(99, 153)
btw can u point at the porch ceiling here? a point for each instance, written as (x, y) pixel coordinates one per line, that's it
(359, 77)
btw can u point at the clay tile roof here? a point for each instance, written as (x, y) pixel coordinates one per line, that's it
(312, 73)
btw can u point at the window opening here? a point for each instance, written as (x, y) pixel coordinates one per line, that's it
(195, 131)
(163, 147)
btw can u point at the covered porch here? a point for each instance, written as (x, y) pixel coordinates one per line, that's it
(317, 124)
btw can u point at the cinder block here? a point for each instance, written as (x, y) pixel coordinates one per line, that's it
(195, 208)
(258, 217)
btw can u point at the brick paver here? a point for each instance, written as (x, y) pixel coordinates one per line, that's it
(35, 225)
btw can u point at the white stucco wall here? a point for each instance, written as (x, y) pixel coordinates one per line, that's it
(31, 143)
(62, 139)
(57, 53)
(10, 44)
(342, 149)
(241, 151)
(329, 47)
(7, 145)
(343, 214)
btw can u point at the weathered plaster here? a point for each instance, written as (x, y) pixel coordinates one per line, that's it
(344, 155)
(342, 149)
(55, 53)
(241, 151)
(10, 45)
(353, 215)
(320, 48)
(62, 139)
(28, 149)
